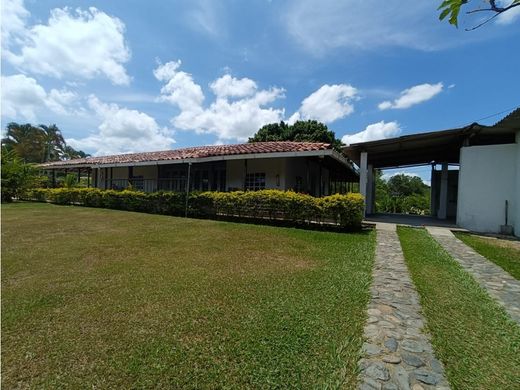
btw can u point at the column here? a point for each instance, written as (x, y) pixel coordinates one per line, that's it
(371, 190)
(443, 198)
(363, 176)
(433, 188)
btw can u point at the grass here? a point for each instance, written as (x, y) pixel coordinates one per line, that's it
(498, 251)
(473, 336)
(96, 298)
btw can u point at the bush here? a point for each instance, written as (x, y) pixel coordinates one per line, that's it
(272, 205)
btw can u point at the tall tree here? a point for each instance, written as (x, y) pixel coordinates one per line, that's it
(55, 145)
(451, 9)
(302, 131)
(37, 144)
(27, 141)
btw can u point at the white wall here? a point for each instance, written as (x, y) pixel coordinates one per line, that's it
(235, 172)
(517, 197)
(488, 176)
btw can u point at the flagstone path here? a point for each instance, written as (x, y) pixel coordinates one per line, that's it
(499, 284)
(397, 353)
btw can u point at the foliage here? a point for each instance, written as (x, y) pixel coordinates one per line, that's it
(38, 144)
(300, 131)
(17, 176)
(70, 180)
(451, 9)
(402, 194)
(268, 205)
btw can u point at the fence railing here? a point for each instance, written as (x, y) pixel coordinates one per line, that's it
(148, 185)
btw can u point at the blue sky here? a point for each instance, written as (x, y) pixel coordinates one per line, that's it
(125, 76)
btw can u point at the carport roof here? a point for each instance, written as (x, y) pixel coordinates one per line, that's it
(436, 146)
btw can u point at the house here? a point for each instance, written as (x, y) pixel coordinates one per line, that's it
(475, 176)
(309, 167)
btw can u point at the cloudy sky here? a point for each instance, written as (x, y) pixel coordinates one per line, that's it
(125, 76)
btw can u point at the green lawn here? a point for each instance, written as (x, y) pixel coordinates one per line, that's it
(478, 343)
(96, 298)
(500, 252)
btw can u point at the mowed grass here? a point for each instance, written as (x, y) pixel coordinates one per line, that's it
(500, 252)
(96, 298)
(473, 336)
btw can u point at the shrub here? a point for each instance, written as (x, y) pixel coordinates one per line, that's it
(273, 205)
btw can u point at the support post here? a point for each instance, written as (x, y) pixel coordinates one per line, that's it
(443, 199)
(187, 191)
(79, 175)
(54, 178)
(363, 177)
(370, 190)
(245, 173)
(88, 177)
(433, 187)
(320, 191)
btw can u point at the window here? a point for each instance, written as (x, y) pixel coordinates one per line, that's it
(255, 181)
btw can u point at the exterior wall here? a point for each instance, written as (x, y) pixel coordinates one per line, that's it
(148, 172)
(487, 178)
(236, 171)
(517, 197)
(119, 173)
(309, 173)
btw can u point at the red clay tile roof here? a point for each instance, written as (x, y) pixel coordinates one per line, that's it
(195, 152)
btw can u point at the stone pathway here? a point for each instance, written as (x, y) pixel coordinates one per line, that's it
(499, 284)
(397, 354)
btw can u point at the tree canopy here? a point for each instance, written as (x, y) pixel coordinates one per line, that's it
(38, 144)
(402, 194)
(451, 9)
(301, 131)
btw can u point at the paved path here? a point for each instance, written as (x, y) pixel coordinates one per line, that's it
(499, 284)
(397, 354)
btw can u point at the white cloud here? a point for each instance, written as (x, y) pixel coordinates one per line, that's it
(227, 86)
(375, 131)
(327, 104)
(235, 119)
(412, 96)
(509, 16)
(15, 14)
(180, 89)
(23, 97)
(72, 44)
(123, 130)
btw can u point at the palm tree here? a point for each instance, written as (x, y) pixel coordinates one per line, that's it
(25, 140)
(55, 145)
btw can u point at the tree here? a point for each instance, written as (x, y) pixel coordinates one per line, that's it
(17, 176)
(404, 185)
(300, 131)
(27, 141)
(451, 9)
(38, 144)
(55, 145)
(401, 194)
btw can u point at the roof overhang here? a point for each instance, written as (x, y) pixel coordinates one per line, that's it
(431, 147)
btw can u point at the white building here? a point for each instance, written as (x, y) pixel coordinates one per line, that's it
(482, 195)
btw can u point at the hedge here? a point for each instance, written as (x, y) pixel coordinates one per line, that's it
(345, 211)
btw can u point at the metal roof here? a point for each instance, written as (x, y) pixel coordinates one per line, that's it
(436, 146)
